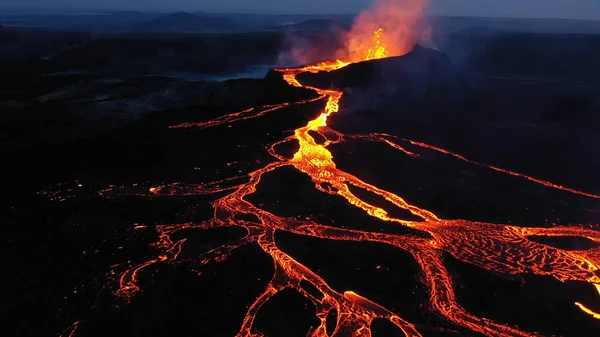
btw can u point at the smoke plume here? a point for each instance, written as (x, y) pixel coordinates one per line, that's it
(395, 24)
(388, 28)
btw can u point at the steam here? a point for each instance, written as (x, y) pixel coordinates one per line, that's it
(401, 21)
(387, 28)
(300, 48)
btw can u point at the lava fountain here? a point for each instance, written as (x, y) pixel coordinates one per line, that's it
(388, 28)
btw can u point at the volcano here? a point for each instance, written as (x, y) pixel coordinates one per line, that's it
(402, 224)
(274, 221)
(423, 72)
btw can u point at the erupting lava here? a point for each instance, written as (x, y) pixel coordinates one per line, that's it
(502, 249)
(389, 28)
(379, 49)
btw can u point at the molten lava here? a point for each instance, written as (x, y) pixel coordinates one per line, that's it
(388, 28)
(502, 249)
(379, 49)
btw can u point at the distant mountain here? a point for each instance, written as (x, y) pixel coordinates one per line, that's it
(321, 25)
(482, 31)
(183, 22)
(449, 25)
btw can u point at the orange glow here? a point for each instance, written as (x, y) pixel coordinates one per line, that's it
(587, 311)
(71, 330)
(128, 283)
(239, 116)
(389, 28)
(382, 137)
(379, 49)
(501, 249)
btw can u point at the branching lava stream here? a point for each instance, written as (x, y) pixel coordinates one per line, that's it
(502, 249)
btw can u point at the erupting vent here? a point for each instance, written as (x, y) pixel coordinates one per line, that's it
(379, 49)
(502, 249)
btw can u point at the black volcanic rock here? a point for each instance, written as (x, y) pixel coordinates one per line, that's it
(186, 22)
(232, 93)
(59, 108)
(133, 97)
(274, 76)
(421, 72)
(275, 87)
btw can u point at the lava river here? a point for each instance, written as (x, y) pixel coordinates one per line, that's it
(502, 249)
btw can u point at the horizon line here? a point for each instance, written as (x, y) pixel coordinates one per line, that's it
(90, 11)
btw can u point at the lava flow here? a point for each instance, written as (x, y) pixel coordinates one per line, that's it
(501, 249)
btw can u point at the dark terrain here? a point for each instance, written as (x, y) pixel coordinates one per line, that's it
(81, 110)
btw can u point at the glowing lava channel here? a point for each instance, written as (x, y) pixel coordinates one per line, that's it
(502, 249)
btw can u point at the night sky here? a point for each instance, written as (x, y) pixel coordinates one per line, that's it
(589, 9)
